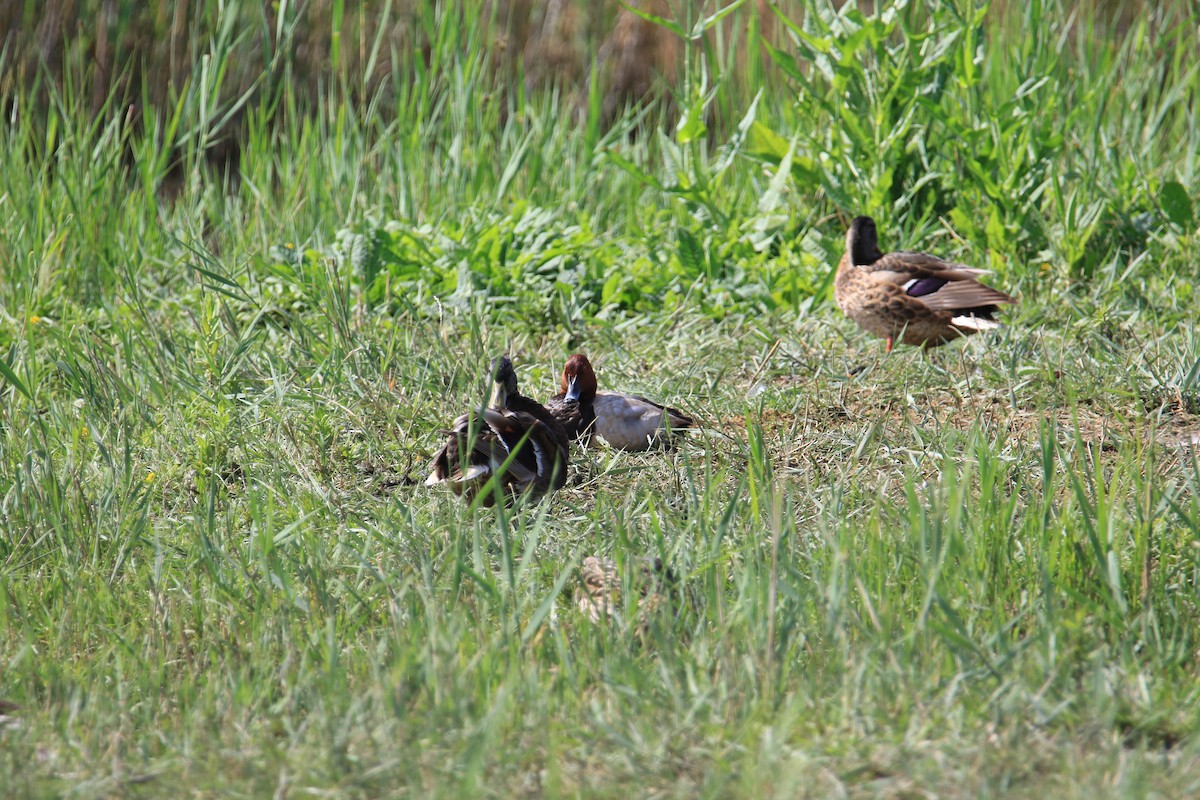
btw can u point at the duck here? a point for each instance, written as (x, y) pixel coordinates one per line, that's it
(653, 586)
(625, 421)
(913, 298)
(513, 429)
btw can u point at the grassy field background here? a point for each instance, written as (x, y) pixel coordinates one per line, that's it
(238, 306)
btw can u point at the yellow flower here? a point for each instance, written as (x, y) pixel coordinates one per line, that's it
(35, 319)
(84, 433)
(149, 477)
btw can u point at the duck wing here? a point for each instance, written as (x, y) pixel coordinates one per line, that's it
(466, 461)
(939, 285)
(520, 435)
(629, 422)
(677, 418)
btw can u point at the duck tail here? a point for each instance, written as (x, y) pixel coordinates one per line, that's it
(679, 420)
(975, 324)
(476, 472)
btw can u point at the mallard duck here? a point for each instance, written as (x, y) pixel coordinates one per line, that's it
(512, 426)
(915, 298)
(600, 599)
(625, 421)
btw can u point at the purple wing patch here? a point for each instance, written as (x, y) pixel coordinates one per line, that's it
(924, 286)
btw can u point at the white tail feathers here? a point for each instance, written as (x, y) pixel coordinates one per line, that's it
(971, 323)
(475, 472)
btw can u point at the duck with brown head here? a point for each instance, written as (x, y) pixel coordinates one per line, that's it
(915, 298)
(624, 421)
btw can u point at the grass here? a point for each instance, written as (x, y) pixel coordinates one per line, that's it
(967, 573)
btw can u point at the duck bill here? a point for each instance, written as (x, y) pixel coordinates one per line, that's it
(499, 396)
(572, 389)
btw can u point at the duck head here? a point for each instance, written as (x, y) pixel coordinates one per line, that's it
(578, 379)
(504, 382)
(862, 242)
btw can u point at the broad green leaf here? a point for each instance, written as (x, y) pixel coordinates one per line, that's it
(612, 288)
(512, 167)
(786, 62)
(766, 143)
(691, 253)
(996, 233)
(772, 197)
(7, 373)
(822, 45)
(881, 188)
(673, 163)
(853, 127)
(804, 172)
(1176, 204)
(691, 125)
(850, 46)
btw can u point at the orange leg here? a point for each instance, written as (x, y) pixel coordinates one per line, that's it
(889, 344)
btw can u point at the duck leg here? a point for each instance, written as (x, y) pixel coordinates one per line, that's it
(890, 342)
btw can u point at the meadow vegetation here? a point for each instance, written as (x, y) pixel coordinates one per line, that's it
(972, 572)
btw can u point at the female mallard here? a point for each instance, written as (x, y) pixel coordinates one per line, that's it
(654, 586)
(625, 421)
(914, 297)
(513, 429)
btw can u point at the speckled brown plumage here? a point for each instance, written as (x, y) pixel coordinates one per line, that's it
(653, 584)
(915, 298)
